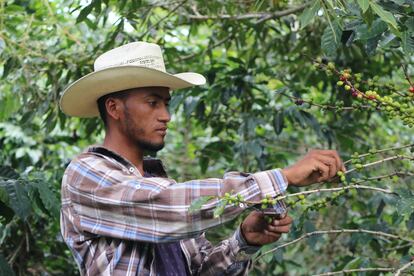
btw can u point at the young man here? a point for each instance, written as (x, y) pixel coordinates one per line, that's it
(122, 215)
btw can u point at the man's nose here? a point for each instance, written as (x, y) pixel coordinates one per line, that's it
(165, 115)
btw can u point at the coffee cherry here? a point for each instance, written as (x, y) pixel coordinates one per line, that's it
(268, 219)
(354, 94)
(358, 166)
(347, 87)
(340, 83)
(411, 89)
(299, 102)
(301, 196)
(344, 76)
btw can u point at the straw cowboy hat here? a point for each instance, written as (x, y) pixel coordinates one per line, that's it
(137, 64)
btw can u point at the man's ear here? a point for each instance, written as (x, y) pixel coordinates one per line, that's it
(114, 108)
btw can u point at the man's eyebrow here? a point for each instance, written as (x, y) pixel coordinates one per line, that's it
(158, 96)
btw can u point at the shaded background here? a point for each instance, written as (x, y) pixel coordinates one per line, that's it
(258, 59)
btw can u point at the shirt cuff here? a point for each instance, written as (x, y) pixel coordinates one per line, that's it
(243, 245)
(271, 183)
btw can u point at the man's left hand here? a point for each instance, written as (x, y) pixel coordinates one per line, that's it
(257, 231)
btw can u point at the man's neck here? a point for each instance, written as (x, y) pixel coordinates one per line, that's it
(125, 148)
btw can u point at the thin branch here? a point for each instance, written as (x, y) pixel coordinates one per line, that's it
(407, 77)
(163, 18)
(349, 187)
(383, 269)
(261, 16)
(354, 185)
(404, 267)
(399, 247)
(330, 232)
(382, 161)
(283, 13)
(16, 252)
(336, 190)
(325, 106)
(380, 151)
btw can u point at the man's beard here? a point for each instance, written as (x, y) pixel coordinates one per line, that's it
(134, 133)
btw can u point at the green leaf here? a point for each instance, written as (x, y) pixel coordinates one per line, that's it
(383, 14)
(18, 199)
(405, 203)
(407, 42)
(267, 258)
(48, 198)
(365, 32)
(278, 122)
(8, 172)
(331, 38)
(410, 24)
(363, 4)
(306, 17)
(196, 204)
(354, 264)
(203, 162)
(85, 12)
(410, 222)
(218, 211)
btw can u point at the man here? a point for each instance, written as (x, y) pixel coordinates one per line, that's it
(121, 215)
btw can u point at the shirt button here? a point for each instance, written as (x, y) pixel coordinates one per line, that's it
(131, 169)
(137, 186)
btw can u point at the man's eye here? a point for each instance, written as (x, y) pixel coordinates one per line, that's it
(152, 103)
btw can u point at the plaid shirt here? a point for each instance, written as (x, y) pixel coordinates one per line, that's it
(111, 216)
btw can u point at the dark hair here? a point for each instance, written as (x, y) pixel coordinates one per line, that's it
(122, 95)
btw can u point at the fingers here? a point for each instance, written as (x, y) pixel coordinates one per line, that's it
(322, 169)
(329, 158)
(331, 162)
(273, 234)
(334, 154)
(278, 229)
(280, 222)
(280, 226)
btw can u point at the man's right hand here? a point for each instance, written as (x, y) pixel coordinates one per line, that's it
(316, 166)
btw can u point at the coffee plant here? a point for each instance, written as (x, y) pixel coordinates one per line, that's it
(283, 77)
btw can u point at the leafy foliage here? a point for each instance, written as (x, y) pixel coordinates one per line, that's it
(265, 105)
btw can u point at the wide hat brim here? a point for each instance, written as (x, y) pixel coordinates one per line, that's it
(80, 98)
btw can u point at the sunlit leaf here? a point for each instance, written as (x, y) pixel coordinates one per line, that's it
(196, 204)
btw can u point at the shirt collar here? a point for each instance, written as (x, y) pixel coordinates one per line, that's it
(152, 166)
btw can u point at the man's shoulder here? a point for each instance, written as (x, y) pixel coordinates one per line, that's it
(92, 169)
(88, 159)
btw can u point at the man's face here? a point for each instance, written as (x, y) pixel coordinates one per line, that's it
(145, 117)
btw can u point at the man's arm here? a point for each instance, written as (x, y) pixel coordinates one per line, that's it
(99, 198)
